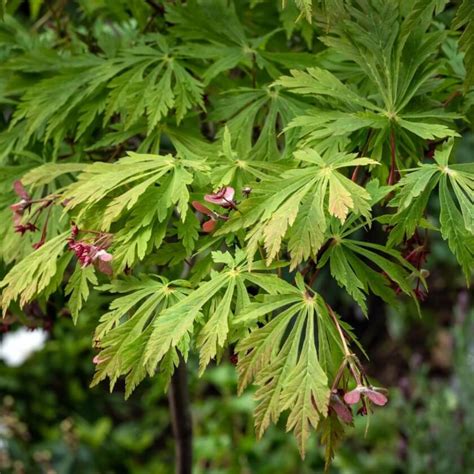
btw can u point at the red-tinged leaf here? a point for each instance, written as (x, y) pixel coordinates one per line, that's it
(209, 225)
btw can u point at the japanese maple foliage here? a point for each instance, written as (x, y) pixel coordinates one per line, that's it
(210, 165)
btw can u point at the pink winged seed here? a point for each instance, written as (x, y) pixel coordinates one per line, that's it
(352, 397)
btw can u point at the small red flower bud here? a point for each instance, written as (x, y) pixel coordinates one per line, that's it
(23, 228)
(88, 254)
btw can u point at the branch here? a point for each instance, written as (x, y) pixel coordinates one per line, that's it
(181, 421)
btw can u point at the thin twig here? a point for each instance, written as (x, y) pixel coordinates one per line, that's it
(393, 161)
(362, 153)
(339, 374)
(160, 9)
(451, 97)
(349, 356)
(313, 277)
(254, 71)
(314, 263)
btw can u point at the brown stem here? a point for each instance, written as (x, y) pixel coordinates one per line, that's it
(181, 421)
(451, 97)
(232, 205)
(46, 203)
(339, 374)
(345, 347)
(349, 356)
(313, 277)
(43, 232)
(117, 151)
(159, 9)
(362, 153)
(44, 19)
(254, 71)
(313, 263)
(56, 12)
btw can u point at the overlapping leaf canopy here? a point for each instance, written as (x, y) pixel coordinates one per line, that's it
(321, 116)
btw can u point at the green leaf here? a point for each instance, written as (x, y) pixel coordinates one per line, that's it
(281, 358)
(352, 273)
(332, 432)
(307, 234)
(127, 183)
(460, 241)
(465, 18)
(230, 168)
(428, 131)
(319, 124)
(47, 173)
(462, 183)
(273, 377)
(177, 321)
(124, 331)
(188, 231)
(306, 394)
(214, 333)
(282, 205)
(457, 223)
(78, 288)
(30, 278)
(145, 80)
(414, 184)
(98, 180)
(317, 81)
(266, 108)
(306, 7)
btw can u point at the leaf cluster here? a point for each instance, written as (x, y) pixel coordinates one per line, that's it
(331, 124)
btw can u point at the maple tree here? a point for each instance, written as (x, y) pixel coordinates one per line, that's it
(209, 164)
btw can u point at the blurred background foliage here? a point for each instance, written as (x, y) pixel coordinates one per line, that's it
(52, 422)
